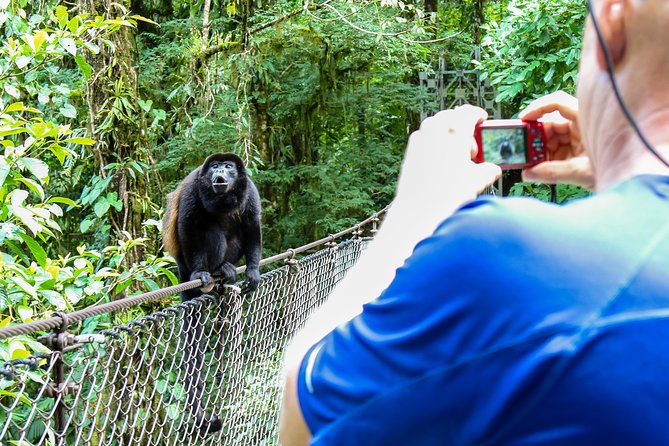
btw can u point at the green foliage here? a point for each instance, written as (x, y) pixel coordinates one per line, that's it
(36, 279)
(534, 49)
(563, 192)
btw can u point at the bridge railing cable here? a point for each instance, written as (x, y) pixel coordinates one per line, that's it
(203, 372)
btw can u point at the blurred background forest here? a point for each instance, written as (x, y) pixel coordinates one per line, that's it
(107, 105)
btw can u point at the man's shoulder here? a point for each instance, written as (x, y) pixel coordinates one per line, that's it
(488, 218)
(500, 223)
(488, 211)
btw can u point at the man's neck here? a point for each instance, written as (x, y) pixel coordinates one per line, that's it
(626, 156)
(628, 165)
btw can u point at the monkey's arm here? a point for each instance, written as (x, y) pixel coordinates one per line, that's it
(252, 251)
(194, 228)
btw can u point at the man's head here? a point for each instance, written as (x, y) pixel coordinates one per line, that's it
(636, 33)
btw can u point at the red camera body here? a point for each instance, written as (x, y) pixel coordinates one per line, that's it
(511, 143)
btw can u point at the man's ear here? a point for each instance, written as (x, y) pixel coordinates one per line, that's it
(611, 22)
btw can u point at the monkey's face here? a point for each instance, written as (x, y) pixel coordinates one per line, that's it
(223, 175)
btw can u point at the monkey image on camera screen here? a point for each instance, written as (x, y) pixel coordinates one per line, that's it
(506, 148)
(212, 220)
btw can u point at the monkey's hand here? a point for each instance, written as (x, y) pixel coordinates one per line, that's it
(205, 277)
(252, 281)
(228, 273)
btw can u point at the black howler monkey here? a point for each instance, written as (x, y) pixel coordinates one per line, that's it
(506, 149)
(211, 220)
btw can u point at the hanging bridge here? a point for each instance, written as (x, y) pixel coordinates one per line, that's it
(128, 385)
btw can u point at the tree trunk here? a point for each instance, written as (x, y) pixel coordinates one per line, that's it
(479, 19)
(116, 121)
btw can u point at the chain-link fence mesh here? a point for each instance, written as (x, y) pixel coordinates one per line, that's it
(206, 372)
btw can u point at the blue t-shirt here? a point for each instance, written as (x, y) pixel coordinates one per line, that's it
(516, 323)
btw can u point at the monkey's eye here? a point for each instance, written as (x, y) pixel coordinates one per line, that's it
(228, 165)
(215, 165)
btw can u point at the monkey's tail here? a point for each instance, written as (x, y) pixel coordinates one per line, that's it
(170, 223)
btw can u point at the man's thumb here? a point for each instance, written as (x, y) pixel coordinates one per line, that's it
(574, 171)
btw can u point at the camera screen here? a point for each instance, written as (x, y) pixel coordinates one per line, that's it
(504, 145)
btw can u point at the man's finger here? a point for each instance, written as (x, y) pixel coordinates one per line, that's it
(564, 103)
(574, 171)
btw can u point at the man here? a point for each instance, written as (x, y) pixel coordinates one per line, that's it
(516, 322)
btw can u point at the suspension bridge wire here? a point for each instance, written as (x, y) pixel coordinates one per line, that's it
(60, 319)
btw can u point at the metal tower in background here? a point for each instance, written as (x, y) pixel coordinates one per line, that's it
(450, 88)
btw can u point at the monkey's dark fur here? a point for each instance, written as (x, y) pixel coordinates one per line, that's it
(208, 226)
(212, 220)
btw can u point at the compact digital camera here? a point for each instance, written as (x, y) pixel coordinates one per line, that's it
(511, 143)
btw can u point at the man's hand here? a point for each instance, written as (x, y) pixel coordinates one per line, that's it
(568, 161)
(438, 169)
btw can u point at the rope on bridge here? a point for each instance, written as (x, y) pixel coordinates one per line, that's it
(61, 320)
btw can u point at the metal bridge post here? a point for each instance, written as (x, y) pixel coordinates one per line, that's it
(58, 389)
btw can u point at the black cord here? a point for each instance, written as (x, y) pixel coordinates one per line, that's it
(616, 90)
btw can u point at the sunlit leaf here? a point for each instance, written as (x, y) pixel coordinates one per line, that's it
(92, 47)
(101, 207)
(73, 294)
(4, 171)
(25, 313)
(143, 19)
(14, 107)
(73, 24)
(61, 152)
(37, 167)
(12, 91)
(24, 286)
(22, 61)
(27, 219)
(4, 301)
(68, 111)
(69, 45)
(33, 186)
(18, 197)
(61, 15)
(55, 299)
(5, 322)
(56, 210)
(80, 140)
(43, 96)
(62, 200)
(17, 350)
(38, 40)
